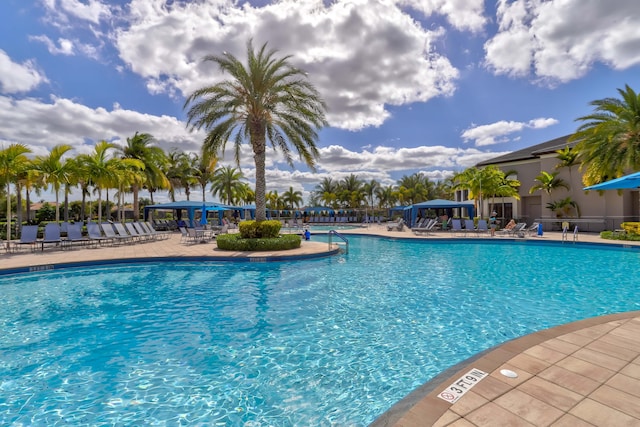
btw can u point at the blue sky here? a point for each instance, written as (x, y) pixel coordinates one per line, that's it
(431, 86)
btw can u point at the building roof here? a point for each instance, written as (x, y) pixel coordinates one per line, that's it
(532, 152)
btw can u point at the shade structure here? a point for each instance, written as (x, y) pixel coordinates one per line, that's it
(627, 181)
(203, 217)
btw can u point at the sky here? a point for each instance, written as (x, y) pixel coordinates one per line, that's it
(428, 86)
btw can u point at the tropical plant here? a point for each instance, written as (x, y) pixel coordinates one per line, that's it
(370, 190)
(203, 168)
(292, 198)
(268, 100)
(568, 158)
(227, 184)
(416, 188)
(13, 161)
(480, 183)
(326, 192)
(608, 140)
(385, 196)
(179, 170)
(564, 207)
(140, 147)
(548, 182)
(52, 170)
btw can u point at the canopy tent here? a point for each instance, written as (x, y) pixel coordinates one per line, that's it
(624, 182)
(449, 205)
(405, 211)
(191, 207)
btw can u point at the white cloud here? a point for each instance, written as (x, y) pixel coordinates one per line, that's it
(88, 10)
(16, 78)
(461, 14)
(64, 46)
(496, 133)
(361, 55)
(561, 40)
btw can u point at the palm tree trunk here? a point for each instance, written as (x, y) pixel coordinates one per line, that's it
(19, 206)
(136, 203)
(8, 214)
(57, 207)
(259, 158)
(28, 202)
(66, 203)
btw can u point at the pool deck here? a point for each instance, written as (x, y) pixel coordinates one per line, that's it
(585, 373)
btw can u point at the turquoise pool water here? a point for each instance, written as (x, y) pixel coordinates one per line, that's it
(325, 342)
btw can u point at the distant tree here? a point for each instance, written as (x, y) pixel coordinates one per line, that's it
(13, 161)
(292, 198)
(54, 171)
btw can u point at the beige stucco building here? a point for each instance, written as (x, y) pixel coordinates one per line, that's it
(599, 210)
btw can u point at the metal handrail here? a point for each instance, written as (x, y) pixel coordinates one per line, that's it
(340, 236)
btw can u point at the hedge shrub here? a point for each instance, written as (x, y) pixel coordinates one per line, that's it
(611, 235)
(259, 229)
(235, 242)
(631, 227)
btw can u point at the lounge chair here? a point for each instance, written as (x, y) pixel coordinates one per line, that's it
(427, 226)
(159, 234)
(396, 226)
(95, 235)
(456, 226)
(469, 226)
(132, 231)
(74, 235)
(482, 227)
(518, 230)
(51, 235)
(532, 229)
(28, 236)
(109, 231)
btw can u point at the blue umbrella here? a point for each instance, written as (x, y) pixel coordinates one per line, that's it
(627, 181)
(203, 218)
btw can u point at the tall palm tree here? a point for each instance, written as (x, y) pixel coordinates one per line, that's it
(269, 99)
(227, 184)
(140, 147)
(370, 190)
(609, 139)
(385, 196)
(326, 192)
(13, 161)
(479, 183)
(350, 191)
(292, 198)
(179, 173)
(54, 171)
(548, 182)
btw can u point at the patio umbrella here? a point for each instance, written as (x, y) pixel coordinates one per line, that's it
(627, 181)
(203, 217)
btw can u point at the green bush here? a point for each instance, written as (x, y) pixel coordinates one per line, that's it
(235, 242)
(612, 235)
(259, 229)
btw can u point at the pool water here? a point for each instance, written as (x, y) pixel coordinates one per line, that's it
(332, 341)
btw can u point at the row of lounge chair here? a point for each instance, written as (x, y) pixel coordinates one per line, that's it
(464, 227)
(97, 234)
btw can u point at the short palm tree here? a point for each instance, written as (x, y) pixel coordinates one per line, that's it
(13, 161)
(54, 171)
(609, 139)
(140, 147)
(268, 100)
(227, 184)
(548, 182)
(292, 198)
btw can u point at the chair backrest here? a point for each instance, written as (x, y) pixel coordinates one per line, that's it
(482, 225)
(29, 234)
(108, 230)
(74, 232)
(456, 224)
(120, 230)
(93, 230)
(131, 228)
(469, 225)
(52, 231)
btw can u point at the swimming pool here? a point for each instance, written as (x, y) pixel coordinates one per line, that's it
(332, 341)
